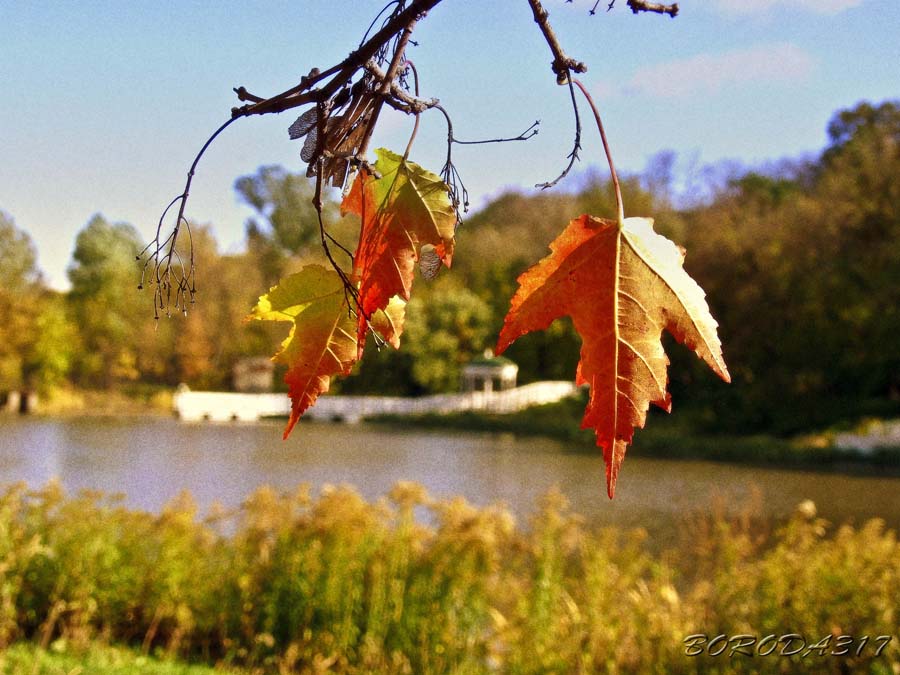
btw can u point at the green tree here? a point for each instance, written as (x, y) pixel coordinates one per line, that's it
(286, 223)
(49, 357)
(19, 286)
(104, 303)
(803, 270)
(445, 329)
(859, 183)
(18, 258)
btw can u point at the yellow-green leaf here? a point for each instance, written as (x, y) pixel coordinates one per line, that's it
(322, 341)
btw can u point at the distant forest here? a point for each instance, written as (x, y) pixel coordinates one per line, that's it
(801, 264)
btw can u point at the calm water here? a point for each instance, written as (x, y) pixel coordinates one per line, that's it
(152, 460)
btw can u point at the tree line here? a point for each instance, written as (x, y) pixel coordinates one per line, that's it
(801, 263)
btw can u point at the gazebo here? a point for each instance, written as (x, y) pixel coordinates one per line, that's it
(489, 373)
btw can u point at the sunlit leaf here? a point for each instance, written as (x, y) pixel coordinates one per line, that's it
(403, 207)
(322, 341)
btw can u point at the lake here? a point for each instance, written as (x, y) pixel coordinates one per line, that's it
(151, 460)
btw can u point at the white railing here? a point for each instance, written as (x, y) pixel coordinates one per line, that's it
(878, 435)
(225, 406)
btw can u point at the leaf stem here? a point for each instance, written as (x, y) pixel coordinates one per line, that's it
(620, 209)
(409, 64)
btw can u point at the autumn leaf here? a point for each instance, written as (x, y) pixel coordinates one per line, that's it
(403, 207)
(322, 341)
(621, 285)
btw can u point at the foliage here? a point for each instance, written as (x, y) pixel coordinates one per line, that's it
(52, 352)
(286, 223)
(445, 329)
(31, 319)
(19, 291)
(102, 276)
(322, 341)
(822, 244)
(403, 208)
(18, 258)
(334, 582)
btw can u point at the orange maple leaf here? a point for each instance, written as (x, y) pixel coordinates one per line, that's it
(621, 284)
(403, 207)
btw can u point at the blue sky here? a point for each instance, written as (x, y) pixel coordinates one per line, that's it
(104, 104)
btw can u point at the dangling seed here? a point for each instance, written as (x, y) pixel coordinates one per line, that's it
(429, 262)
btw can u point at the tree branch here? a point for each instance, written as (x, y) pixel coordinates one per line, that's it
(412, 104)
(304, 93)
(562, 63)
(638, 6)
(384, 87)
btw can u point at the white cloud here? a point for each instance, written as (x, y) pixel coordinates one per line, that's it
(709, 73)
(759, 6)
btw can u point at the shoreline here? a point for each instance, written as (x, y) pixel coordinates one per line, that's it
(663, 439)
(667, 441)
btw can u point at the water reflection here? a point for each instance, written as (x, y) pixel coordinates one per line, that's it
(152, 460)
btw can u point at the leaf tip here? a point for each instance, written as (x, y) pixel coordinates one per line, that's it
(503, 341)
(725, 375)
(289, 427)
(613, 454)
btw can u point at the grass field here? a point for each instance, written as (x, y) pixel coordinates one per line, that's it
(408, 584)
(96, 659)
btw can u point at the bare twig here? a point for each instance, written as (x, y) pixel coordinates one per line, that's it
(385, 86)
(459, 195)
(573, 156)
(160, 253)
(350, 292)
(410, 104)
(524, 136)
(638, 6)
(375, 20)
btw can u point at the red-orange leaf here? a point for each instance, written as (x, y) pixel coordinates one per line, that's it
(621, 286)
(403, 207)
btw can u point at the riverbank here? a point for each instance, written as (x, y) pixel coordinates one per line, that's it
(667, 438)
(136, 400)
